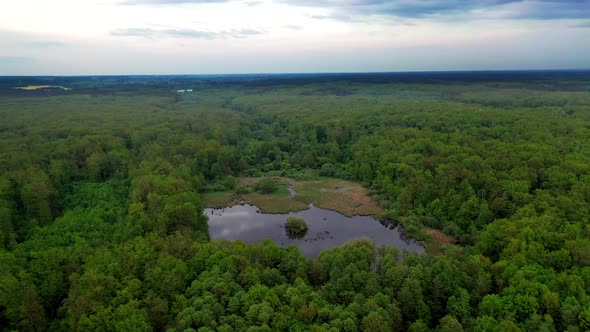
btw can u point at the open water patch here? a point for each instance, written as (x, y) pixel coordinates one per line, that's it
(327, 228)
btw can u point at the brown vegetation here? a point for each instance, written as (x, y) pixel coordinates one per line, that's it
(440, 237)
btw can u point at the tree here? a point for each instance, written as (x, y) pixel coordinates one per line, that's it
(411, 297)
(375, 321)
(327, 169)
(418, 326)
(37, 195)
(7, 214)
(449, 324)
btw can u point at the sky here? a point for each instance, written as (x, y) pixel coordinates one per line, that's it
(116, 37)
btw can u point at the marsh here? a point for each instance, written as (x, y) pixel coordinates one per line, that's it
(327, 228)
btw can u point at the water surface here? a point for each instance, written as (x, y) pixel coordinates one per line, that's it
(327, 228)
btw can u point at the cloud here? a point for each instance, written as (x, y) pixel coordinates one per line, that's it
(245, 32)
(14, 60)
(552, 9)
(168, 2)
(353, 10)
(582, 25)
(292, 27)
(29, 40)
(512, 9)
(249, 3)
(341, 16)
(184, 33)
(134, 32)
(189, 33)
(47, 43)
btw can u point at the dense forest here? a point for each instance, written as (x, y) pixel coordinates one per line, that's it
(102, 225)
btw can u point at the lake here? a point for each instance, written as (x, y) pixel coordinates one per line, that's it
(327, 228)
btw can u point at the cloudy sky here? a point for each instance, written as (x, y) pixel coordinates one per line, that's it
(75, 37)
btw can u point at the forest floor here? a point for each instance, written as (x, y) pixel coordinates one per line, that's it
(346, 197)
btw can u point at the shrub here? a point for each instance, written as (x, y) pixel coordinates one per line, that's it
(296, 227)
(229, 182)
(267, 186)
(242, 190)
(327, 170)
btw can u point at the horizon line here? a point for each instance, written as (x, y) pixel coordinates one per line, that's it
(326, 73)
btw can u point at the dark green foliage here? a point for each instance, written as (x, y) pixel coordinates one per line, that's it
(295, 227)
(327, 169)
(267, 186)
(102, 226)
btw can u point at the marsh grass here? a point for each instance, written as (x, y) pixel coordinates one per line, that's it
(346, 197)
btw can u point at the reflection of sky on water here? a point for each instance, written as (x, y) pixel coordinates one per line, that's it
(327, 228)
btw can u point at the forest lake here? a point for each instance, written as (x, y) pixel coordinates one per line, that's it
(326, 228)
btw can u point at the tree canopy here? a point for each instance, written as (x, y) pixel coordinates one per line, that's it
(102, 225)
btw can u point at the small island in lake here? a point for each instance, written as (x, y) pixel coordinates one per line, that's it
(296, 227)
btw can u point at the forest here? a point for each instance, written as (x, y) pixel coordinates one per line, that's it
(101, 212)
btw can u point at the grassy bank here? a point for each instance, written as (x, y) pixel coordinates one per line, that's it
(349, 198)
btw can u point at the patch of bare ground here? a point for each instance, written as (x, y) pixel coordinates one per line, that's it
(440, 237)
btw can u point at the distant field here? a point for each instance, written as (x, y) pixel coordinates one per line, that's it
(39, 87)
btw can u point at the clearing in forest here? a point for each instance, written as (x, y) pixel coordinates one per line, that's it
(38, 87)
(346, 197)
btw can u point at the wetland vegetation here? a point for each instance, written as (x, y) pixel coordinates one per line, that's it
(296, 227)
(326, 229)
(347, 197)
(110, 193)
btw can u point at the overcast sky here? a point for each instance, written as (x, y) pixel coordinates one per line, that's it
(76, 37)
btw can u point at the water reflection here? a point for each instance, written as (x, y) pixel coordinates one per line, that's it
(292, 192)
(327, 228)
